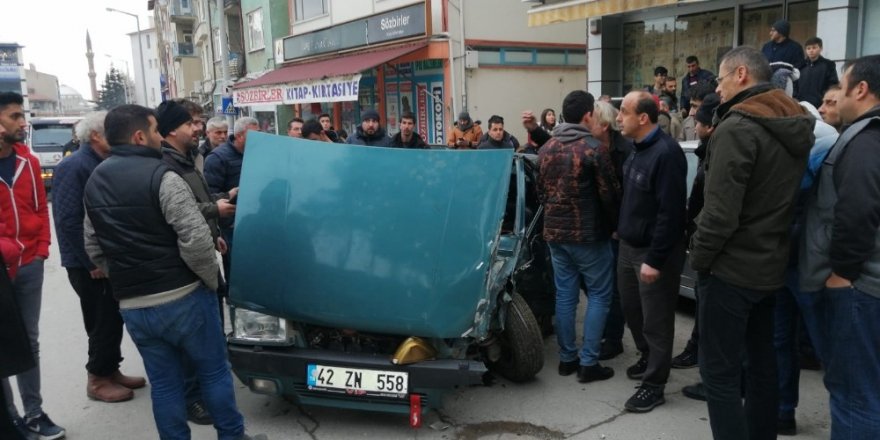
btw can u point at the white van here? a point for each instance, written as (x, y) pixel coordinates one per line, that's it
(49, 138)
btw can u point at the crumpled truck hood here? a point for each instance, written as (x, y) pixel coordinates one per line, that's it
(382, 240)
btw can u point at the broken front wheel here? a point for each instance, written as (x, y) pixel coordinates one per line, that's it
(521, 343)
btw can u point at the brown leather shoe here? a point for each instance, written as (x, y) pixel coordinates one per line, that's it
(130, 382)
(105, 390)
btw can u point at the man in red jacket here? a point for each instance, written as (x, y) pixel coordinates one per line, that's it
(25, 217)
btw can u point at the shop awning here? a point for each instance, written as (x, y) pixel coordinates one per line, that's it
(584, 9)
(330, 80)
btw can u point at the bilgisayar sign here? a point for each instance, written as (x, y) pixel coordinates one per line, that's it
(392, 25)
(335, 89)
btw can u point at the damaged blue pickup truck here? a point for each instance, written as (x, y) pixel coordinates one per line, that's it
(379, 278)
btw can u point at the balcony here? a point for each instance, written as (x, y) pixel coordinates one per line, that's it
(229, 5)
(182, 50)
(179, 13)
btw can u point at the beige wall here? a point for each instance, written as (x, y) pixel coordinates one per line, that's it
(190, 69)
(507, 92)
(508, 20)
(44, 84)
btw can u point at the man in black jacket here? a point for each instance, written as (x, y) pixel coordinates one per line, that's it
(817, 74)
(407, 137)
(781, 47)
(144, 230)
(842, 255)
(651, 231)
(754, 165)
(100, 310)
(497, 137)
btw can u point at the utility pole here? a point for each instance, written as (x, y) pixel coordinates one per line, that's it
(137, 21)
(224, 59)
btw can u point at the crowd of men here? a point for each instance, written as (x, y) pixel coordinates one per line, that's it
(783, 221)
(139, 227)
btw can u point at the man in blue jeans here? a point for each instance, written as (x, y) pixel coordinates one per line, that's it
(841, 256)
(580, 193)
(144, 230)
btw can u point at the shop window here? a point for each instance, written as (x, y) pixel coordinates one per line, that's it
(255, 30)
(517, 56)
(802, 16)
(870, 34)
(551, 58)
(577, 58)
(308, 9)
(706, 36)
(669, 41)
(531, 57)
(490, 57)
(646, 45)
(756, 25)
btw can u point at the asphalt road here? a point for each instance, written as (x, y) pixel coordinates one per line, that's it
(551, 407)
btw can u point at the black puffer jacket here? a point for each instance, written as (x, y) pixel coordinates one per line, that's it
(377, 139)
(578, 187)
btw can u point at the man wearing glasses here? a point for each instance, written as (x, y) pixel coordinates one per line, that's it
(755, 161)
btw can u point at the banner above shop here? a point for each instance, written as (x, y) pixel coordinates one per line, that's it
(335, 89)
(387, 26)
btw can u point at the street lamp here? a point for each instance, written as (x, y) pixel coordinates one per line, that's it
(140, 48)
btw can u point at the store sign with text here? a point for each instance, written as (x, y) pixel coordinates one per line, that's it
(387, 26)
(336, 89)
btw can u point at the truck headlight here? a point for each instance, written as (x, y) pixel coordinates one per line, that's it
(250, 326)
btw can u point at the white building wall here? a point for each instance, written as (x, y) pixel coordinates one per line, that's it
(507, 92)
(151, 68)
(342, 11)
(507, 20)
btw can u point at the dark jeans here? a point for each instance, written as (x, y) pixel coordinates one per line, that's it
(7, 429)
(102, 321)
(168, 333)
(650, 308)
(736, 327)
(615, 322)
(851, 333)
(792, 304)
(28, 290)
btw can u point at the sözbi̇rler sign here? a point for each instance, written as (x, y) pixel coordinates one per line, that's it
(336, 89)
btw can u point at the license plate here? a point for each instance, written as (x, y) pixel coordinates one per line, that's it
(356, 381)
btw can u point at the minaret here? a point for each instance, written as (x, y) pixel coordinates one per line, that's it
(91, 56)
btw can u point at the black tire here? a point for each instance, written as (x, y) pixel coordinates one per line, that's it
(522, 344)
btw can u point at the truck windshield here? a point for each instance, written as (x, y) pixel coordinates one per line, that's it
(56, 134)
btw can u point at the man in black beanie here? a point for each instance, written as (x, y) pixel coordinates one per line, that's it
(370, 132)
(781, 48)
(176, 126)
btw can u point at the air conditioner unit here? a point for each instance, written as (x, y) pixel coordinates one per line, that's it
(534, 2)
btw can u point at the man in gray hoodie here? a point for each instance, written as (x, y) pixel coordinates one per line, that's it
(580, 192)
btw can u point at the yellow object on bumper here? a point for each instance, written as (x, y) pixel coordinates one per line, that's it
(412, 350)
